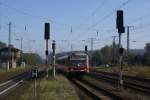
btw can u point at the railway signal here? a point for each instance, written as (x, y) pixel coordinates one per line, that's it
(121, 50)
(47, 37)
(121, 29)
(47, 31)
(86, 49)
(120, 24)
(53, 46)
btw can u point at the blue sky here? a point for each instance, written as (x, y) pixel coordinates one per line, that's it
(85, 17)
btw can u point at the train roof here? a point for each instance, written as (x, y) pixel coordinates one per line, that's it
(77, 58)
(75, 54)
(62, 57)
(79, 54)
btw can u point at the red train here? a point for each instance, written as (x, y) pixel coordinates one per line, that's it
(74, 63)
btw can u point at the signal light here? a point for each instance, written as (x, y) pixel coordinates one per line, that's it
(119, 22)
(47, 31)
(85, 48)
(53, 45)
(121, 50)
(46, 52)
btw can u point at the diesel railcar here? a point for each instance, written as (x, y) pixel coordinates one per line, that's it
(74, 63)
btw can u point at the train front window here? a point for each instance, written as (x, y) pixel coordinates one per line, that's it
(75, 62)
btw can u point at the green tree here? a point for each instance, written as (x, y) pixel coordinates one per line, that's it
(2, 45)
(131, 59)
(97, 58)
(102, 56)
(107, 56)
(146, 59)
(32, 58)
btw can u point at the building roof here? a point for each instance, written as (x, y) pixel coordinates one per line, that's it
(62, 57)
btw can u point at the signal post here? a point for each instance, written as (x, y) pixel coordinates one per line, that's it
(47, 37)
(121, 29)
(53, 48)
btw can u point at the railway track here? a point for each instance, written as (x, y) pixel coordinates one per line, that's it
(12, 83)
(18, 80)
(141, 85)
(95, 92)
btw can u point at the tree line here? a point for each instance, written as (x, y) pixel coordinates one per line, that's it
(31, 59)
(109, 55)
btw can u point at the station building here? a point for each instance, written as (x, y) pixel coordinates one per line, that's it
(9, 56)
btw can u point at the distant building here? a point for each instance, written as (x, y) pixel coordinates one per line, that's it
(2, 45)
(11, 55)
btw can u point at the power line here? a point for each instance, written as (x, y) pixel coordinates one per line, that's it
(141, 26)
(109, 14)
(93, 12)
(23, 12)
(141, 18)
(31, 15)
(99, 7)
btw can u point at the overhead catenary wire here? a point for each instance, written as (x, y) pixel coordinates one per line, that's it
(90, 15)
(141, 26)
(99, 7)
(109, 14)
(40, 18)
(32, 15)
(140, 18)
(94, 12)
(136, 27)
(106, 16)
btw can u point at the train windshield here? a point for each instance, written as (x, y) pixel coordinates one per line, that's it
(78, 62)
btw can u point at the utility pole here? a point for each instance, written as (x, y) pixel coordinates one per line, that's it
(71, 47)
(128, 38)
(114, 49)
(9, 47)
(21, 43)
(92, 41)
(21, 52)
(54, 63)
(9, 38)
(87, 58)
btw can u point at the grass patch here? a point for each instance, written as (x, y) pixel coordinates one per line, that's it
(5, 75)
(138, 71)
(51, 89)
(105, 69)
